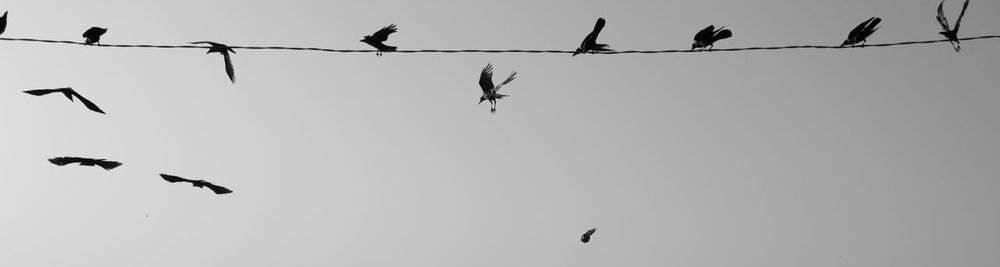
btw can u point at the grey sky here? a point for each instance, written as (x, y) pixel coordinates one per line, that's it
(860, 157)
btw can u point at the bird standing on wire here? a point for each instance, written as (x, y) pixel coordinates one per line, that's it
(490, 90)
(590, 44)
(860, 33)
(197, 183)
(951, 33)
(103, 163)
(586, 236)
(376, 39)
(224, 50)
(93, 35)
(3, 22)
(708, 36)
(69, 93)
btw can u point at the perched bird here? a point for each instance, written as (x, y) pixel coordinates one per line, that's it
(197, 183)
(860, 33)
(951, 33)
(224, 50)
(93, 35)
(708, 36)
(489, 90)
(103, 163)
(3, 22)
(590, 42)
(376, 39)
(586, 236)
(69, 93)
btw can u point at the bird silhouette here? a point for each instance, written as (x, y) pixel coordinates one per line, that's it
(860, 33)
(103, 163)
(951, 33)
(197, 183)
(376, 39)
(586, 236)
(590, 44)
(708, 36)
(224, 50)
(3, 22)
(93, 35)
(69, 93)
(490, 90)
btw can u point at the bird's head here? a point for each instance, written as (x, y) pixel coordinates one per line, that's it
(846, 42)
(694, 45)
(578, 51)
(481, 99)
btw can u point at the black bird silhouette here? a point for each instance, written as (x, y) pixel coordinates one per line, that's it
(3, 22)
(590, 44)
(197, 183)
(376, 39)
(224, 50)
(860, 33)
(93, 35)
(708, 36)
(489, 90)
(69, 93)
(586, 236)
(103, 163)
(951, 33)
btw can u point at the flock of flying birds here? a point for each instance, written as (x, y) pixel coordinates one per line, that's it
(704, 39)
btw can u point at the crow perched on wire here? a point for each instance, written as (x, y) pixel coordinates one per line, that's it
(590, 44)
(3, 22)
(93, 35)
(489, 90)
(860, 33)
(586, 236)
(708, 36)
(951, 33)
(103, 163)
(376, 39)
(197, 183)
(69, 93)
(224, 50)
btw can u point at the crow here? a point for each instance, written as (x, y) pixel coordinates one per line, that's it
(708, 36)
(951, 33)
(590, 44)
(224, 50)
(586, 236)
(197, 183)
(103, 163)
(93, 35)
(860, 33)
(376, 39)
(3, 22)
(489, 90)
(69, 93)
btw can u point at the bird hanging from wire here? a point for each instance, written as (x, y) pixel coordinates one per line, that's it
(490, 90)
(224, 50)
(197, 183)
(103, 163)
(3, 22)
(586, 236)
(69, 93)
(376, 39)
(860, 33)
(708, 36)
(590, 44)
(951, 33)
(93, 35)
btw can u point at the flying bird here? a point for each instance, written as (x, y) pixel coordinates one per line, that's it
(93, 35)
(860, 33)
(103, 163)
(224, 50)
(3, 22)
(197, 183)
(69, 93)
(376, 39)
(951, 33)
(490, 90)
(590, 44)
(586, 236)
(708, 36)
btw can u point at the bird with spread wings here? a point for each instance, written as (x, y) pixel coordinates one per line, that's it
(224, 50)
(219, 190)
(376, 40)
(490, 91)
(69, 93)
(103, 163)
(951, 33)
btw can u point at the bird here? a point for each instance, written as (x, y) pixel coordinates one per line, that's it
(197, 183)
(590, 44)
(3, 22)
(490, 90)
(93, 35)
(860, 33)
(708, 36)
(951, 33)
(586, 236)
(103, 163)
(224, 50)
(376, 39)
(69, 93)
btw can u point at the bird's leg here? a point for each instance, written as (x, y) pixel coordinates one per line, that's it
(710, 47)
(864, 42)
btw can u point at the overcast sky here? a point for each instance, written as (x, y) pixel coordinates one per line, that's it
(856, 157)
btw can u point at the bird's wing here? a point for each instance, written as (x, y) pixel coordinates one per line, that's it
(41, 92)
(506, 81)
(486, 78)
(61, 161)
(3, 22)
(705, 33)
(591, 231)
(383, 34)
(229, 67)
(958, 22)
(174, 179)
(941, 18)
(107, 164)
(871, 27)
(723, 34)
(598, 27)
(90, 105)
(218, 189)
(205, 42)
(858, 29)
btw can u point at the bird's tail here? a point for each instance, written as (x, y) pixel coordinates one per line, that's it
(499, 96)
(108, 165)
(389, 48)
(603, 47)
